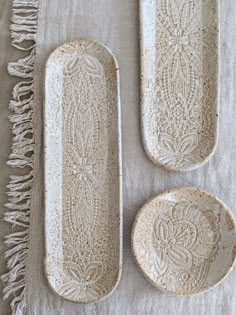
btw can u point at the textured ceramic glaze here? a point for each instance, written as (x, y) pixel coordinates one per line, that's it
(82, 172)
(184, 241)
(179, 81)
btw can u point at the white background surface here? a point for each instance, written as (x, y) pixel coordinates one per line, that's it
(115, 23)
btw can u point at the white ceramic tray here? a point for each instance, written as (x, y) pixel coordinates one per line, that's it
(179, 81)
(184, 241)
(83, 202)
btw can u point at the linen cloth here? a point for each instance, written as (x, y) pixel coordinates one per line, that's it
(116, 24)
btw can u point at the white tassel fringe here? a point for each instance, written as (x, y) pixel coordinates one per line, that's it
(23, 34)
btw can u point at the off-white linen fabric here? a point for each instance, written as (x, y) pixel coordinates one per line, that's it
(116, 23)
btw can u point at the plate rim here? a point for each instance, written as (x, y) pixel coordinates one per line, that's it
(173, 190)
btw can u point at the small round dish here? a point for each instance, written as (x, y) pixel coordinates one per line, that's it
(184, 241)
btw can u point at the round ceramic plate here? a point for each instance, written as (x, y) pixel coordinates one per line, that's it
(184, 241)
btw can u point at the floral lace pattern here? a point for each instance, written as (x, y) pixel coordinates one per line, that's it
(176, 243)
(82, 283)
(82, 149)
(179, 81)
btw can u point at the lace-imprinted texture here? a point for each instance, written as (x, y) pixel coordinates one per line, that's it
(179, 81)
(82, 172)
(184, 241)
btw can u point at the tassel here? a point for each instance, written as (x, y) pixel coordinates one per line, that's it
(23, 33)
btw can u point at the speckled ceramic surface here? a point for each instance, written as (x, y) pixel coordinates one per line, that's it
(184, 241)
(83, 194)
(179, 81)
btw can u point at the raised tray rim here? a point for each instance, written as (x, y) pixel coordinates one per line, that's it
(77, 40)
(217, 119)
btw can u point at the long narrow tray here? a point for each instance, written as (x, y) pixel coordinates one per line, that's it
(179, 81)
(83, 221)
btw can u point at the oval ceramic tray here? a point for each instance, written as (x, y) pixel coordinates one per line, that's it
(184, 241)
(179, 81)
(83, 199)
